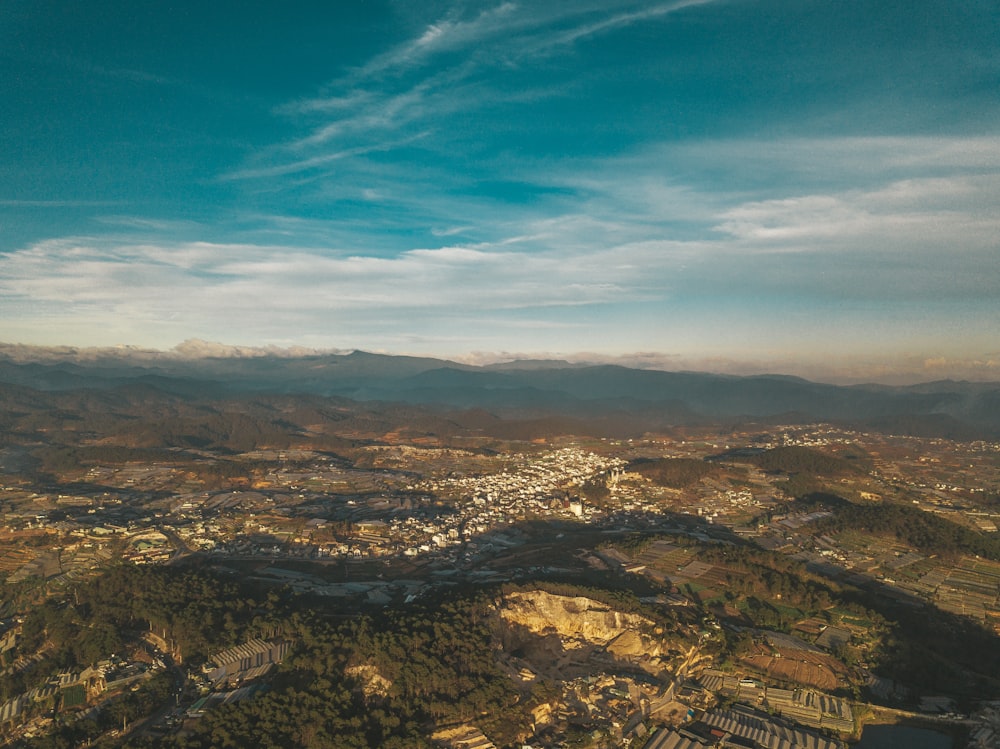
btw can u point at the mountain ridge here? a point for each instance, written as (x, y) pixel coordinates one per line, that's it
(650, 398)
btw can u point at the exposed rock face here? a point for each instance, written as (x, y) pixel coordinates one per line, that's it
(373, 684)
(572, 618)
(558, 634)
(463, 737)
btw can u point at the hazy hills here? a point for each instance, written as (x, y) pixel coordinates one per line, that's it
(612, 398)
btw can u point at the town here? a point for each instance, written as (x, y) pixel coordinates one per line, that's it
(389, 522)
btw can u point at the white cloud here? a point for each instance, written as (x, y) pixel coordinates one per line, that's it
(627, 231)
(911, 216)
(195, 348)
(398, 91)
(441, 35)
(834, 160)
(233, 281)
(302, 165)
(613, 238)
(622, 20)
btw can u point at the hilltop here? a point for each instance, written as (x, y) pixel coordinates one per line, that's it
(605, 399)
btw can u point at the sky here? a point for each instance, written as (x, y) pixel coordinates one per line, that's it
(804, 186)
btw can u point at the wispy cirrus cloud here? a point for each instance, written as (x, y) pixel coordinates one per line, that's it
(506, 34)
(315, 162)
(618, 239)
(146, 224)
(448, 68)
(464, 226)
(620, 20)
(445, 34)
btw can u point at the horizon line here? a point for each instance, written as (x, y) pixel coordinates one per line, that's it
(911, 372)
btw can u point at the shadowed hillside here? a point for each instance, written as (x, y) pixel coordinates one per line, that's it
(540, 396)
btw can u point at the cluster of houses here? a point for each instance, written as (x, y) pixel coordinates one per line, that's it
(70, 690)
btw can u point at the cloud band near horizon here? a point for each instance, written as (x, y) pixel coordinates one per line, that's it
(709, 180)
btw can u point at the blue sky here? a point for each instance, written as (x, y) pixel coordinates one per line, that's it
(733, 185)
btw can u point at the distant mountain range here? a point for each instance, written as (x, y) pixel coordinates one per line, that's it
(619, 398)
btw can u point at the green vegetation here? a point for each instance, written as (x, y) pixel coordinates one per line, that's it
(595, 492)
(390, 678)
(801, 485)
(383, 680)
(795, 459)
(386, 679)
(73, 696)
(196, 611)
(674, 473)
(804, 471)
(920, 646)
(925, 531)
(62, 461)
(782, 589)
(119, 712)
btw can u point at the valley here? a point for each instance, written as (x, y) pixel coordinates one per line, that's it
(175, 565)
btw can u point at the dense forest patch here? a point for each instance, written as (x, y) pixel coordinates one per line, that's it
(795, 459)
(930, 533)
(674, 473)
